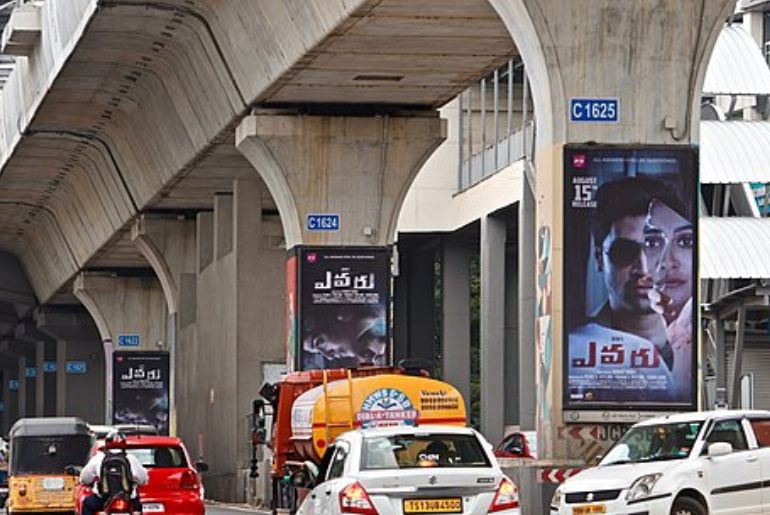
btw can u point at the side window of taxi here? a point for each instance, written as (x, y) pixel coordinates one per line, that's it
(761, 428)
(730, 431)
(337, 465)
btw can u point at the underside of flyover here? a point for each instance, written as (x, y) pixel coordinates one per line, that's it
(127, 122)
(140, 117)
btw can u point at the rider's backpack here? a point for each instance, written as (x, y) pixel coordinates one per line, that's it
(115, 476)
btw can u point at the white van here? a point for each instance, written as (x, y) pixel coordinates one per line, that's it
(686, 464)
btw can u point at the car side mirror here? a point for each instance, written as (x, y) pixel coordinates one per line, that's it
(201, 466)
(301, 479)
(719, 449)
(72, 470)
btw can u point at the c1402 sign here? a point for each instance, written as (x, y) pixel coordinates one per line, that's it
(594, 110)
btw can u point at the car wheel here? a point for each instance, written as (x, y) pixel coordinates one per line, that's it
(687, 506)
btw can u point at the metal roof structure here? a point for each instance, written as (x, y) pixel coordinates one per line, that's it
(737, 66)
(734, 248)
(7, 62)
(734, 151)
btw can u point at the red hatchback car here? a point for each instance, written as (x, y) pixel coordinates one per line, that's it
(175, 485)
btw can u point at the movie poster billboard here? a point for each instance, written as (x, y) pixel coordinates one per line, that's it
(630, 276)
(344, 307)
(140, 389)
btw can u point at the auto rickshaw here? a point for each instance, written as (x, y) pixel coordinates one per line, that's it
(43, 450)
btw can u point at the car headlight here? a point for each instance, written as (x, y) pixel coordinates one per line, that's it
(557, 498)
(642, 487)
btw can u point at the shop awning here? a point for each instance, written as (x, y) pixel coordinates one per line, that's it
(732, 152)
(737, 66)
(734, 248)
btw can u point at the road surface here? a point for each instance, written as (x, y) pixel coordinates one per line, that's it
(223, 510)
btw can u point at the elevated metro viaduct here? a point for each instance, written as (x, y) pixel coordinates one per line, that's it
(159, 158)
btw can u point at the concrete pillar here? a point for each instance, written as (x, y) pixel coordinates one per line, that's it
(421, 304)
(223, 225)
(6, 420)
(737, 371)
(205, 240)
(75, 337)
(22, 378)
(240, 280)
(456, 352)
(528, 357)
(61, 378)
(652, 56)
(260, 297)
(492, 326)
(169, 245)
(357, 167)
(11, 398)
(40, 379)
(123, 306)
(511, 350)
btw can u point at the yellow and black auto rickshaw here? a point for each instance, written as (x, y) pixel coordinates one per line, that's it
(42, 451)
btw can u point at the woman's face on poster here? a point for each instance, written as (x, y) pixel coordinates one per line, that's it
(669, 242)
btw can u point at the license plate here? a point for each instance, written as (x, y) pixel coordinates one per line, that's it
(153, 508)
(448, 505)
(53, 483)
(588, 509)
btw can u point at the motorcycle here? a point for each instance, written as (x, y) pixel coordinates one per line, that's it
(122, 504)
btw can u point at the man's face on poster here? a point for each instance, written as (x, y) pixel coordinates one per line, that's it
(624, 266)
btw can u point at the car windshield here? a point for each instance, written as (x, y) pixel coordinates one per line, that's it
(654, 443)
(407, 451)
(159, 457)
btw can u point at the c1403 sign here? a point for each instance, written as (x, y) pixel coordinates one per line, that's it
(594, 110)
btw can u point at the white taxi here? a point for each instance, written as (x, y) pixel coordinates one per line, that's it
(410, 470)
(687, 464)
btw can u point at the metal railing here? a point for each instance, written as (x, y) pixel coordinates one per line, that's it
(492, 138)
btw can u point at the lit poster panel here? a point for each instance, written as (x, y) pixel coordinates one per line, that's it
(140, 389)
(630, 275)
(344, 307)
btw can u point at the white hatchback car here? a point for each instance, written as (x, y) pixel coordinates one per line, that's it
(410, 470)
(688, 464)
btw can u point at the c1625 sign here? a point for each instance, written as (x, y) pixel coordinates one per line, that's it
(594, 110)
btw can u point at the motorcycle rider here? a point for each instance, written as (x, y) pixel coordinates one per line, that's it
(114, 444)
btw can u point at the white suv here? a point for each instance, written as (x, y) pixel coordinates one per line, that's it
(688, 464)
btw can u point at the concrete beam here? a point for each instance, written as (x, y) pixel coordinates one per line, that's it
(357, 167)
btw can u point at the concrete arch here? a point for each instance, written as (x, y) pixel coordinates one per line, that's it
(85, 298)
(520, 16)
(154, 256)
(268, 167)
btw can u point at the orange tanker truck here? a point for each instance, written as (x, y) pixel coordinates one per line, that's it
(311, 408)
